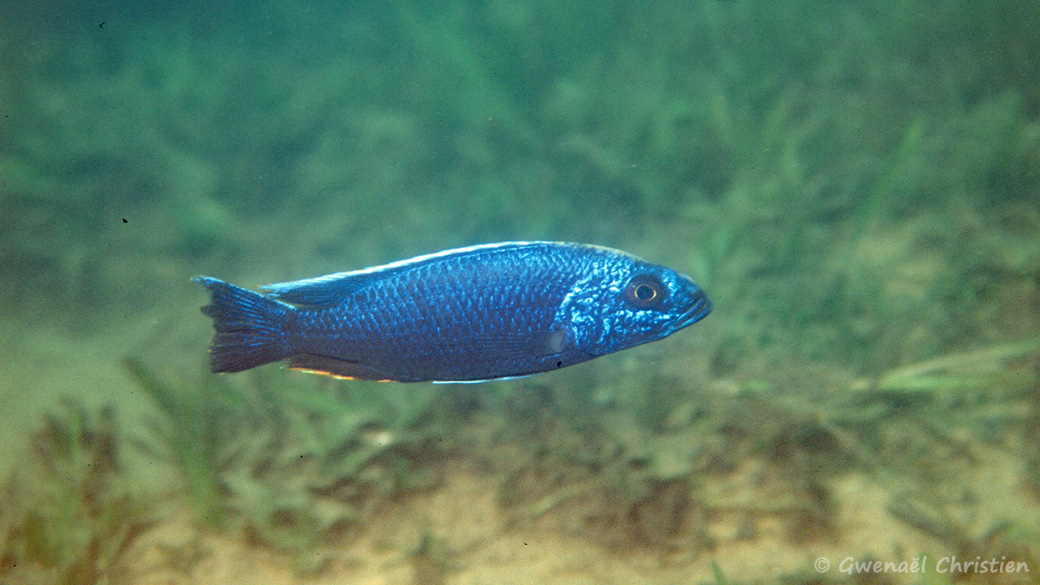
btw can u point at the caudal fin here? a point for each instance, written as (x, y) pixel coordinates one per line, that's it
(248, 327)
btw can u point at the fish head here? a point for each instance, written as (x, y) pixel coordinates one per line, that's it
(635, 302)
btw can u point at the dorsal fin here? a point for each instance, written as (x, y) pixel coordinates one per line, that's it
(323, 290)
(333, 288)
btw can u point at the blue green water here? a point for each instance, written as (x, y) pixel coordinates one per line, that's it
(855, 184)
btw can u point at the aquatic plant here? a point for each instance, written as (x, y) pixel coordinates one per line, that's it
(430, 560)
(623, 477)
(292, 465)
(69, 514)
(671, 119)
(199, 417)
(720, 577)
(985, 369)
(630, 483)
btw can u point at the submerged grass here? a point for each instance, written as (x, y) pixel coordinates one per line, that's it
(768, 164)
(987, 369)
(663, 482)
(199, 418)
(69, 514)
(292, 466)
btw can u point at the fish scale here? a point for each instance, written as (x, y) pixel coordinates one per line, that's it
(468, 314)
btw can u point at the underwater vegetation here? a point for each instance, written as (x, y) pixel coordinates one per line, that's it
(69, 515)
(652, 463)
(667, 478)
(829, 184)
(291, 466)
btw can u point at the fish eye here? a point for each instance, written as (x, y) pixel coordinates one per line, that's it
(644, 291)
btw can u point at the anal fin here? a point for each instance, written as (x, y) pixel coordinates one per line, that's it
(329, 366)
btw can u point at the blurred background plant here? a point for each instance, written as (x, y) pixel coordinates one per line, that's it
(292, 466)
(724, 145)
(70, 516)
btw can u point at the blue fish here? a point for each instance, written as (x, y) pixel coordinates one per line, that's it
(470, 314)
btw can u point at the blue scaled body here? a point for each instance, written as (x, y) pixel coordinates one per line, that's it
(477, 313)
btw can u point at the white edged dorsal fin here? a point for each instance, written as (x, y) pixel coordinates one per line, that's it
(333, 288)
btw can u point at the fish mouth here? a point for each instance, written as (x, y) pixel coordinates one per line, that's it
(698, 310)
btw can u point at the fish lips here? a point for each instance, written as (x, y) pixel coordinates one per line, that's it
(698, 310)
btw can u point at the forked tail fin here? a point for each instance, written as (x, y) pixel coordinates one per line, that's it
(248, 327)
